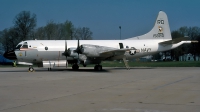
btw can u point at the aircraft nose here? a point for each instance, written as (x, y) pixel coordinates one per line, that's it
(10, 55)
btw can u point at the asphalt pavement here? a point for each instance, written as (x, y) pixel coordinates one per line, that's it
(142, 89)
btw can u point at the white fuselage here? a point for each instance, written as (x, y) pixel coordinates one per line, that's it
(36, 51)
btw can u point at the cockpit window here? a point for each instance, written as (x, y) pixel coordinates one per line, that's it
(25, 45)
(18, 46)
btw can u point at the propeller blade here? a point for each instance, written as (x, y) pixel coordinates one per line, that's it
(78, 50)
(78, 44)
(78, 59)
(65, 46)
(66, 50)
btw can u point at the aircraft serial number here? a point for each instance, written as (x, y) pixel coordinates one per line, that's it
(158, 35)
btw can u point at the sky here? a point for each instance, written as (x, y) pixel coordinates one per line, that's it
(103, 17)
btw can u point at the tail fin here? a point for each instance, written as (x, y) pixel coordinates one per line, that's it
(160, 30)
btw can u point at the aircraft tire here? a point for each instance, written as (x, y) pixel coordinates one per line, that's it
(75, 67)
(49, 69)
(31, 69)
(98, 67)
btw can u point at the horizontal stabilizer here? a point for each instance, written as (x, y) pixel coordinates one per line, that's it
(174, 41)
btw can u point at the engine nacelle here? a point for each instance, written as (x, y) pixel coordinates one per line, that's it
(89, 50)
(72, 52)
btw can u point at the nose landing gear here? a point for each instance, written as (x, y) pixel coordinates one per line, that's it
(31, 69)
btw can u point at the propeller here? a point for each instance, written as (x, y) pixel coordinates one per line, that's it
(66, 53)
(78, 50)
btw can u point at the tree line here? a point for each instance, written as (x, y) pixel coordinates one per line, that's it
(24, 28)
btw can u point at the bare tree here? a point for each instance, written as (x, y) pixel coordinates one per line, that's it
(83, 33)
(51, 30)
(8, 39)
(69, 30)
(4, 39)
(13, 37)
(194, 33)
(39, 33)
(60, 32)
(175, 53)
(55, 31)
(24, 23)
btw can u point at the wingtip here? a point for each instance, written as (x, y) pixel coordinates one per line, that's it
(194, 41)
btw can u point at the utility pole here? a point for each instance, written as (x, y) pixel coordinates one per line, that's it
(120, 32)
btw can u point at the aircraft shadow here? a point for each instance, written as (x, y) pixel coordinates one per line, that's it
(56, 70)
(106, 69)
(132, 68)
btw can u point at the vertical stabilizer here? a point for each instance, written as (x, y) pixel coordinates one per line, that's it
(160, 30)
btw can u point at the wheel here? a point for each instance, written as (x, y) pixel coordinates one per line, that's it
(75, 67)
(31, 69)
(98, 67)
(49, 69)
(95, 67)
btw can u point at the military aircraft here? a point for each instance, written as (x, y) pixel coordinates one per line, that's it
(59, 53)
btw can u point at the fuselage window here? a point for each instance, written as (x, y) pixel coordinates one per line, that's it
(25, 45)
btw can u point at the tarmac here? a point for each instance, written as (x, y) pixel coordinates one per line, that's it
(111, 90)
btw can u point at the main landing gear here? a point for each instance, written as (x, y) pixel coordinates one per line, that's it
(98, 67)
(75, 66)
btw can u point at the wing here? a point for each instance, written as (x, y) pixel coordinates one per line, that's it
(103, 52)
(114, 53)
